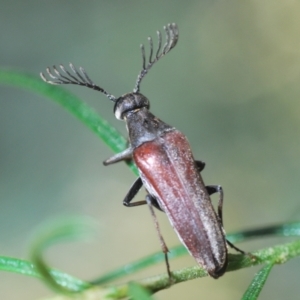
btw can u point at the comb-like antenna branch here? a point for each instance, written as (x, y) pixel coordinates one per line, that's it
(79, 77)
(171, 41)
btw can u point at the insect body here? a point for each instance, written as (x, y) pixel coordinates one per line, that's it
(170, 175)
(166, 165)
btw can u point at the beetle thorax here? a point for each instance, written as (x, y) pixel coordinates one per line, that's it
(130, 102)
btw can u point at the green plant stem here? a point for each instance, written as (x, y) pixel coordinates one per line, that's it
(277, 254)
(288, 229)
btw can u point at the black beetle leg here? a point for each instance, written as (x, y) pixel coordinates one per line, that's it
(238, 249)
(151, 201)
(200, 165)
(132, 193)
(211, 189)
(124, 155)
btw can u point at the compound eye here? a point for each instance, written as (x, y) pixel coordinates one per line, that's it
(130, 102)
(124, 104)
(118, 110)
(118, 115)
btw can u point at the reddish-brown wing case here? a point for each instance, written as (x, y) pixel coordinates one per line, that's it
(168, 171)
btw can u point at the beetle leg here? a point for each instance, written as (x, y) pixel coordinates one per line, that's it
(124, 155)
(151, 202)
(200, 165)
(238, 249)
(211, 189)
(132, 193)
(156, 205)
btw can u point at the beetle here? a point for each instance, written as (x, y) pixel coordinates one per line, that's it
(167, 168)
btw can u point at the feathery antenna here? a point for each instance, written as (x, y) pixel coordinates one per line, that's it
(79, 77)
(60, 75)
(171, 41)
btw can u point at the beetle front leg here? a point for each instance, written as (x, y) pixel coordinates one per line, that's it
(124, 155)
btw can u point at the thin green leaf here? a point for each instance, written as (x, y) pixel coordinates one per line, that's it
(27, 268)
(108, 134)
(258, 283)
(56, 231)
(137, 292)
(288, 229)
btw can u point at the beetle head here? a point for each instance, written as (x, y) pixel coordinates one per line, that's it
(128, 103)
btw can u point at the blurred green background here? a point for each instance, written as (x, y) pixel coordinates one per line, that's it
(231, 85)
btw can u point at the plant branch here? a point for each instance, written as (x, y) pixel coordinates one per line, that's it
(277, 254)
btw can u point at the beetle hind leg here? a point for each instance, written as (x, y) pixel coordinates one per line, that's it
(212, 189)
(237, 249)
